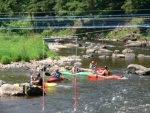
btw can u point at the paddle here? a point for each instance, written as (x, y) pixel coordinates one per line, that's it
(47, 74)
(65, 78)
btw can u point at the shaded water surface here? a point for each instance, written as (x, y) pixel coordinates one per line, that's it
(128, 95)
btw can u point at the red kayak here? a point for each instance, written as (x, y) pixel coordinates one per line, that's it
(54, 79)
(99, 68)
(104, 77)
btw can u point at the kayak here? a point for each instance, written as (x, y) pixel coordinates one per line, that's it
(104, 77)
(99, 68)
(54, 79)
(45, 84)
(68, 73)
(95, 69)
(49, 84)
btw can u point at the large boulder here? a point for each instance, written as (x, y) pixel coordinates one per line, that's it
(143, 56)
(138, 69)
(90, 51)
(104, 52)
(140, 56)
(114, 55)
(87, 56)
(11, 90)
(132, 37)
(148, 43)
(130, 55)
(127, 50)
(116, 51)
(136, 44)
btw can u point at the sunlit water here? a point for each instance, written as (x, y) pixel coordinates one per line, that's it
(128, 95)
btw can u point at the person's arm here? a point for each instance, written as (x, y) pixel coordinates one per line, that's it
(52, 74)
(108, 72)
(103, 73)
(72, 70)
(95, 65)
(62, 76)
(36, 81)
(98, 72)
(90, 66)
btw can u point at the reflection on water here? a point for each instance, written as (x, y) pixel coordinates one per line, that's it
(128, 95)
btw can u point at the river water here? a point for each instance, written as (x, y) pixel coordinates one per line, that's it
(128, 95)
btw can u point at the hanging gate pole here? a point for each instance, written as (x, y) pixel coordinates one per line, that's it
(75, 85)
(75, 93)
(43, 99)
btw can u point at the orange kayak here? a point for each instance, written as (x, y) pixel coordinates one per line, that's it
(104, 77)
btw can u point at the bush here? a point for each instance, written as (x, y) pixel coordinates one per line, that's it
(21, 48)
(25, 57)
(6, 60)
(53, 55)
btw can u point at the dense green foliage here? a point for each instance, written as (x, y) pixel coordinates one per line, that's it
(27, 12)
(79, 7)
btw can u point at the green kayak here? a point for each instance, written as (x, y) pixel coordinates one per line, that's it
(68, 73)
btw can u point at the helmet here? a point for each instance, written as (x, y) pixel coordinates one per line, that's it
(56, 69)
(93, 62)
(75, 63)
(38, 74)
(106, 67)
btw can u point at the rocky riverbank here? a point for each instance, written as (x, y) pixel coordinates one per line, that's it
(91, 50)
(48, 61)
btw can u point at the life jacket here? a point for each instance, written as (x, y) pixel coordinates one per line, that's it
(107, 73)
(92, 66)
(74, 69)
(40, 81)
(57, 74)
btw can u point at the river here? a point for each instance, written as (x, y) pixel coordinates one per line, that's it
(128, 95)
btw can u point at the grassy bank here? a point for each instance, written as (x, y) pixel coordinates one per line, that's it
(20, 48)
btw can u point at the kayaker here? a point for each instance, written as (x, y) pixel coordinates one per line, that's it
(38, 80)
(92, 65)
(57, 74)
(74, 69)
(106, 72)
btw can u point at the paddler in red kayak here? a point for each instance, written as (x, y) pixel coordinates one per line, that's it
(105, 72)
(57, 74)
(92, 65)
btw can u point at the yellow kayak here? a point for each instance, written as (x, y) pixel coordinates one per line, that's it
(45, 84)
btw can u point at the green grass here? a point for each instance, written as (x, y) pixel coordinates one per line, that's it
(6, 59)
(20, 48)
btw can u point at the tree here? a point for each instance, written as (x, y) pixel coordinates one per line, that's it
(136, 6)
